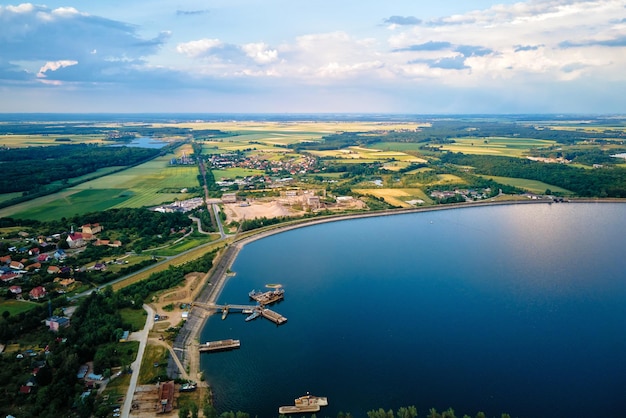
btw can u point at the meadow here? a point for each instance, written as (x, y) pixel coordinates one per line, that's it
(15, 307)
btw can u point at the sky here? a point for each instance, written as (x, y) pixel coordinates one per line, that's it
(313, 56)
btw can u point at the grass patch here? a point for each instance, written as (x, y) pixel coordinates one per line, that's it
(236, 172)
(135, 317)
(532, 186)
(186, 244)
(15, 307)
(154, 354)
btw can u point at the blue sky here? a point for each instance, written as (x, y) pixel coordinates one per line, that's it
(396, 56)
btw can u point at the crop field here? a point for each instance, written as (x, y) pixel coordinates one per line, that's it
(398, 197)
(509, 147)
(19, 141)
(136, 187)
(317, 127)
(533, 186)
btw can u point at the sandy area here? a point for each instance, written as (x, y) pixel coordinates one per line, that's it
(256, 209)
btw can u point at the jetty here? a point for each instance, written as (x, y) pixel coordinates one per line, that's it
(221, 345)
(253, 311)
(275, 317)
(267, 298)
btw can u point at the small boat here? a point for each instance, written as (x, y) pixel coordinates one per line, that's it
(306, 403)
(253, 315)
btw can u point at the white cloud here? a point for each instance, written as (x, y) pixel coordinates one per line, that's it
(53, 66)
(198, 48)
(260, 52)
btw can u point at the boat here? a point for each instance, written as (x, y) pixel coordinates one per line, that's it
(306, 403)
(253, 315)
(221, 345)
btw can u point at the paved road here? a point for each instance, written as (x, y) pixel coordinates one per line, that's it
(142, 337)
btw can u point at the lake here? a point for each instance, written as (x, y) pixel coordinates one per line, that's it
(518, 309)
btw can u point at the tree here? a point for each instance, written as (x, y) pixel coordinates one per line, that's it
(209, 411)
(193, 407)
(6, 315)
(183, 412)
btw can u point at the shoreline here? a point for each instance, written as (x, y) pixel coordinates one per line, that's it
(186, 343)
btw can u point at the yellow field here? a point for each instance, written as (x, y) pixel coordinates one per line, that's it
(397, 197)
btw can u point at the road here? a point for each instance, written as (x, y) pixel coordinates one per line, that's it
(142, 337)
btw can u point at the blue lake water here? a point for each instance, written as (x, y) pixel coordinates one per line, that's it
(518, 309)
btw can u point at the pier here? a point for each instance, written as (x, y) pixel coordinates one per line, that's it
(276, 318)
(267, 298)
(220, 345)
(270, 297)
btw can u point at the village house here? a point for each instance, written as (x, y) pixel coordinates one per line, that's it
(37, 293)
(42, 258)
(16, 290)
(91, 228)
(57, 322)
(33, 251)
(53, 270)
(75, 240)
(34, 266)
(5, 259)
(7, 277)
(16, 265)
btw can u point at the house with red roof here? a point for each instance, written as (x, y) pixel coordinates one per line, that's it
(5, 259)
(16, 265)
(33, 251)
(42, 258)
(7, 277)
(16, 290)
(34, 266)
(53, 270)
(37, 293)
(75, 240)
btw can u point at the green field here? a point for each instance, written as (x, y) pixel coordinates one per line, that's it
(135, 187)
(135, 317)
(510, 147)
(532, 186)
(15, 307)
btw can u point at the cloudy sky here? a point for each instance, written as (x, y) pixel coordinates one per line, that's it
(300, 56)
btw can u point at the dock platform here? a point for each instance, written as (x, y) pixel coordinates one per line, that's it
(221, 345)
(275, 317)
(267, 298)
